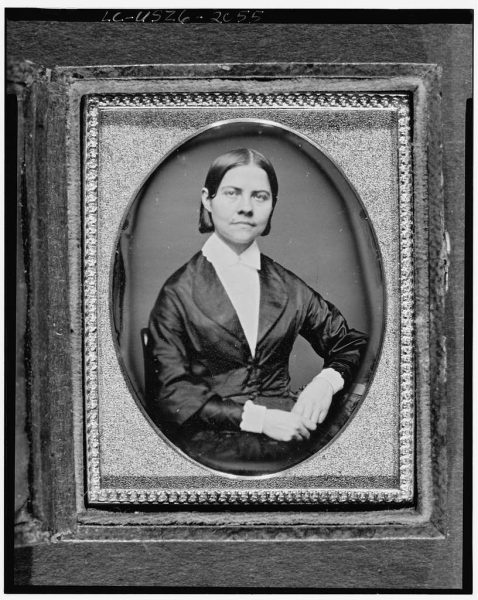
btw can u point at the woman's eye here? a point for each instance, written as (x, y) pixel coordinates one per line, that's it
(262, 197)
(231, 193)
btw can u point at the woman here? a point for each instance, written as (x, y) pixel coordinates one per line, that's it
(222, 330)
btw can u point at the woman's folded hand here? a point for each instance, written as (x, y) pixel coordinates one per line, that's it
(286, 426)
(314, 401)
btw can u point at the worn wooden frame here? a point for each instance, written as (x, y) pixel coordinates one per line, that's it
(53, 196)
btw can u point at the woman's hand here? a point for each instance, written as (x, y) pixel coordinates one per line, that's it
(285, 426)
(314, 401)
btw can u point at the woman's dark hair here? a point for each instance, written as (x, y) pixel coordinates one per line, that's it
(224, 163)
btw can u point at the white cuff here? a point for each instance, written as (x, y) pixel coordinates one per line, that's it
(333, 377)
(253, 417)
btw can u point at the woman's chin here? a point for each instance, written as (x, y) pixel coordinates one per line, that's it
(241, 237)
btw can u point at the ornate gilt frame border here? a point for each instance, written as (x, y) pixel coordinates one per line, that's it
(336, 100)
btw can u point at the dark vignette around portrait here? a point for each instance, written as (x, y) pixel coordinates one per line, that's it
(320, 232)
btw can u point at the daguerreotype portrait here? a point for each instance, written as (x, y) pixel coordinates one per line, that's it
(244, 301)
(240, 266)
(222, 329)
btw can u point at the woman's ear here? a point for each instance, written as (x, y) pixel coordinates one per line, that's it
(205, 199)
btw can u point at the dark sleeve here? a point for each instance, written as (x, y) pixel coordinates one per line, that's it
(179, 394)
(220, 413)
(327, 331)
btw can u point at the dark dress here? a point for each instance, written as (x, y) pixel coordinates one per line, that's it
(203, 371)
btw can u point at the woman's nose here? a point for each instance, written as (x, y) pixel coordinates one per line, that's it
(246, 204)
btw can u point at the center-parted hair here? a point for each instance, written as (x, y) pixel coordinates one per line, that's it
(224, 163)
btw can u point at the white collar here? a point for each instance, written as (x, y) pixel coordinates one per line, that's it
(219, 254)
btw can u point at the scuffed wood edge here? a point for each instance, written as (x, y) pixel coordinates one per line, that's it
(49, 387)
(240, 70)
(27, 530)
(431, 291)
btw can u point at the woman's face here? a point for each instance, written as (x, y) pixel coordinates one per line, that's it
(241, 208)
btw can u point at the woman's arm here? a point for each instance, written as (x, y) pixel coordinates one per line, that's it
(326, 329)
(279, 425)
(340, 346)
(181, 394)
